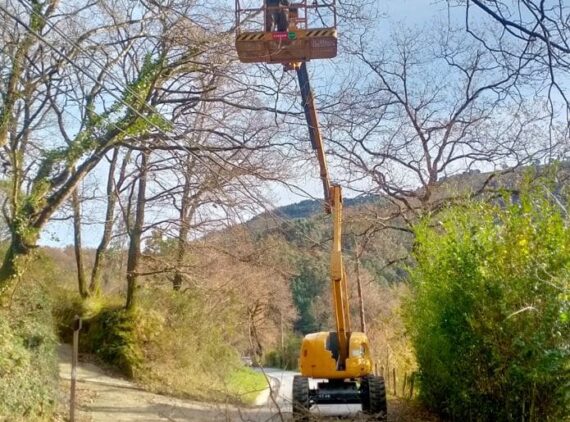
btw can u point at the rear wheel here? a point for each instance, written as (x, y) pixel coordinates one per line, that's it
(373, 395)
(300, 398)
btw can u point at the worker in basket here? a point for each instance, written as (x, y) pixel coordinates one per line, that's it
(277, 15)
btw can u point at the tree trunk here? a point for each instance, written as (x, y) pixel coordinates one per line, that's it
(101, 253)
(182, 234)
(135, 234)
(76, 204)
(358, 253)
(10, 268)
(256, 347)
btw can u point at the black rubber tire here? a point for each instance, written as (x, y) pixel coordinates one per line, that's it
(373, 395)
(301, 403)
(365, 395)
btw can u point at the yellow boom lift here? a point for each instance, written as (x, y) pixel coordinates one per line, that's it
(339, 360)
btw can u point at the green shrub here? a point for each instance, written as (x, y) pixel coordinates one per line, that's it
(113, 336)
(66, 305)
(109, 331)
(28, 358)
(288, 358)
(187, 348)
(489, 318)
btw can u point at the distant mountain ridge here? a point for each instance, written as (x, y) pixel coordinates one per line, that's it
(470, 180)
(309, 207)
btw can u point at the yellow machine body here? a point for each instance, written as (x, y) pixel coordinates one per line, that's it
(317, 359)
(342, 354)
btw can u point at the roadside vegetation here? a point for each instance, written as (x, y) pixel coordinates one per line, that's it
(171, 343)
(28, 355)
(489, 316)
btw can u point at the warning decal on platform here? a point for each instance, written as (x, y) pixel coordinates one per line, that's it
(251, 36)
(280, 36)
(322, 33)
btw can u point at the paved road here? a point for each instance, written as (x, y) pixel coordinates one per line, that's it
(285, 381)
(105, 398)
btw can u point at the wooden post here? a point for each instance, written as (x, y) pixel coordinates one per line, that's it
(394, 378)
(74, 355)
(376, 369)
(412, 379)
(282, 360)
(357, 253)
(387, 376)
(404, 385)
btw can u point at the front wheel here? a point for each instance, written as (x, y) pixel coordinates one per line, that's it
(301, 402)
(373, 395)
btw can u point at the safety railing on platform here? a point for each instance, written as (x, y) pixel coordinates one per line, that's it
(253, 15)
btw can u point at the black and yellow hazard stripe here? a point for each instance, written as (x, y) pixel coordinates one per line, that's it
(251, 36)
(321, 33)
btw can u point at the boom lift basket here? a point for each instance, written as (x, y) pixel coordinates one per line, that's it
(311, 33)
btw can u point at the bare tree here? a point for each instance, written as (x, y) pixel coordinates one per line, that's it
(40, 95)
(532, 38)
(431, 106)
(135, 231)
(252, 273)
(112, 189)
(128, 77)
(78, 247)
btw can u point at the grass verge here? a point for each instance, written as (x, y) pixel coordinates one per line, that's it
(246, 384)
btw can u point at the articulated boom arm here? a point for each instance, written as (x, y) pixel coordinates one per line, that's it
(339, 279)
(333, 202)
(314, 131)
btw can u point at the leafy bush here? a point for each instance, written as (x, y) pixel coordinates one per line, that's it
(113, 336)
(186, 348)
(490, 314)
(288, 358)
(68, 303)
(28, 358)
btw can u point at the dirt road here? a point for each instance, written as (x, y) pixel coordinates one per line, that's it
(106, 398)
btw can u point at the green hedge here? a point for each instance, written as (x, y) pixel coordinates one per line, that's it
(112, 336)
(490, 314)
(288, 358)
